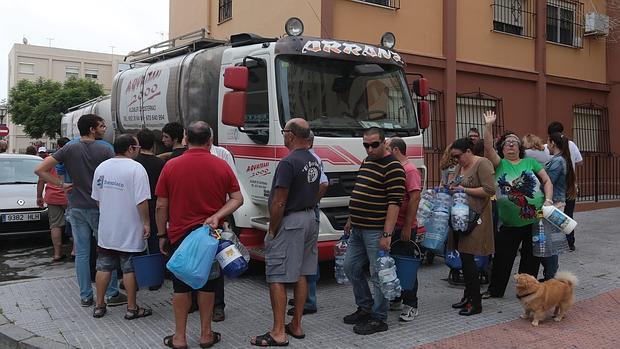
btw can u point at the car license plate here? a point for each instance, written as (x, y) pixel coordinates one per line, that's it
(20, 217)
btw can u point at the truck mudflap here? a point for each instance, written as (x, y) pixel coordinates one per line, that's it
(253, 239)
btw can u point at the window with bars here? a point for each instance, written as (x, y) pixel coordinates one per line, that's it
(516, 17)
(225, 12)
(565, 22)
(591, 128)
(394, 4)
(470, 108)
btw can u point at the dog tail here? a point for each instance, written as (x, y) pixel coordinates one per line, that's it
(567, 277)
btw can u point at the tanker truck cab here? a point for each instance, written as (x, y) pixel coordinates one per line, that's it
(341, 88)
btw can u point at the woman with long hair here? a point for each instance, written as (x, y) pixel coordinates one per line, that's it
(562, 176)
(518, 181)
(475, 176)
(534, 148)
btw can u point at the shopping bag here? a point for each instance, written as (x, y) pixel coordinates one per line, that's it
(192, 261)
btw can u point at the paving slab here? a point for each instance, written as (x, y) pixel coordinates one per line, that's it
(49, 306)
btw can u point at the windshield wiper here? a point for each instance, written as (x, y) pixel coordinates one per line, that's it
(18, 182)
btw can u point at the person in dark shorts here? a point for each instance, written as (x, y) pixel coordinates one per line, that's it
(120, 188)
(183, 208)
(291, 242)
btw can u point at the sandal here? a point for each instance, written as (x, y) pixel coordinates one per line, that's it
(267, 341)
(287, 329)
(137, 313)
(100, 311)
(168, 342)
(216, 338)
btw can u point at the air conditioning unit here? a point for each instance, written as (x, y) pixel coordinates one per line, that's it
(597, 24)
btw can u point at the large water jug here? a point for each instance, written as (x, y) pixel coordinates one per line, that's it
(460, 211)
(425, 207)
(231, 260)
(559, 219)
(340, 250)
(386, 269)
(443, 200)
(541, 241)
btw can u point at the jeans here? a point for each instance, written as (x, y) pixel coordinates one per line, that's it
(311, 299)
(569, 209)
(85, 223)
(551, 266)
(364, 248)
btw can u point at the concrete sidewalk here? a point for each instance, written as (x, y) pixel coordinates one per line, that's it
(48, 308)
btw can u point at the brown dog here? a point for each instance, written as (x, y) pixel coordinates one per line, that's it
(539, 297)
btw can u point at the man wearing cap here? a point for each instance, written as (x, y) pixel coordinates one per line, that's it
(42, 152)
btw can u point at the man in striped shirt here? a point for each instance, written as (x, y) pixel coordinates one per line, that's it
(373, 210)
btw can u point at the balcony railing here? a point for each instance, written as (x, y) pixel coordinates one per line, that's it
(393, 4)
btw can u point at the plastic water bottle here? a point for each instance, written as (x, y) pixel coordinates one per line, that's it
(443, 200)
(425, 207)
(460, 211)
(390, 285)
(437, 229)
(559, 219)
(340, 250)
(540, 243)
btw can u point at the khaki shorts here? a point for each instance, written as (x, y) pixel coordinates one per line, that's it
(56, 215)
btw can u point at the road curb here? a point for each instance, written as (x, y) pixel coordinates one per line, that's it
(13, 336)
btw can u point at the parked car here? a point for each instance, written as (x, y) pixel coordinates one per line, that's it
(19, 214)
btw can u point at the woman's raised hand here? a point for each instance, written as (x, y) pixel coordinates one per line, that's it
(489, 117)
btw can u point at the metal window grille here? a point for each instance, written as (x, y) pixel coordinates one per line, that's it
(435, 135)
(469, 110)
(516, 17)
(565, 22)
(395, 4)
(225, 12)
(591, 128)
(597, 179)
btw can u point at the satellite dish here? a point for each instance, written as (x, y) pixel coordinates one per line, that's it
(25, 40)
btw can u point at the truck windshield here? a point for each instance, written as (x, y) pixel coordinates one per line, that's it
(342, 98)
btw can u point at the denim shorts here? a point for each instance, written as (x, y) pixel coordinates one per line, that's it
(111, 260)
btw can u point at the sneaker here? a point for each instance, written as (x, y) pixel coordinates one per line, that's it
(358, 317)
(396, 305)
(87, 302)
(369, 327)
(408, 313)
(218, 315)
(117, 300)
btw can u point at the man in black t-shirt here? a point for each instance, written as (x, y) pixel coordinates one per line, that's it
(153, 166)
(290, 243)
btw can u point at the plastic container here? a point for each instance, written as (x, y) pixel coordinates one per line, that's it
(541, 241)
(407, 259)
(389, 283)
(148, 269)
(231, 260)
(559, 219)
(192, 261)
(425, 207)
(459, 211)
(340, 250)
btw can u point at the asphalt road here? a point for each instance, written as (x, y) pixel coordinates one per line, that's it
(30, 258)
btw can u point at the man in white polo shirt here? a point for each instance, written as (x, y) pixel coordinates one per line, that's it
(121, 189)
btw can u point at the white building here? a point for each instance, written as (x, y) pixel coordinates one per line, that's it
(32, 62)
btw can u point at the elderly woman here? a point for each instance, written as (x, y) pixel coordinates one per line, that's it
(474, 175)
(519, 198)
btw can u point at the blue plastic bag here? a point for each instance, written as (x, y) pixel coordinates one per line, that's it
(453, 260)
(191, 262)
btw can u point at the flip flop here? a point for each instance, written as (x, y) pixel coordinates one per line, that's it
(288, 331)
(216, 338)
(168, 342)
(267, 341)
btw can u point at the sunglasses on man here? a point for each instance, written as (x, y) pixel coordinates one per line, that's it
(373, 145)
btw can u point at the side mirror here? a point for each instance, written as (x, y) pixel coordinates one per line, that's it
(424, 114)
(233, 108)
(236, 78)
(420, 87)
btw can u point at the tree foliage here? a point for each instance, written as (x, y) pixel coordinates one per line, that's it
(39, 105)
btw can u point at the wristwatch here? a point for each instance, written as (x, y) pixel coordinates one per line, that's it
(386, 234)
